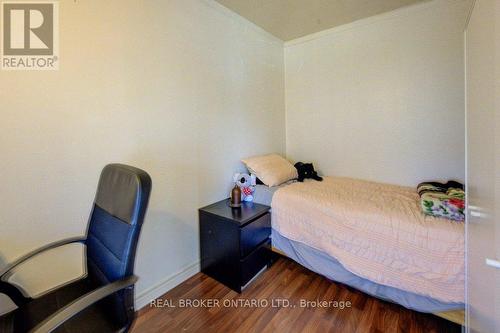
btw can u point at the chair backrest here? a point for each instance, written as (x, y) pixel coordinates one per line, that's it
(115, 223)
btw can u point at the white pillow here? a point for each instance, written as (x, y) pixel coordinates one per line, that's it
(271, 169)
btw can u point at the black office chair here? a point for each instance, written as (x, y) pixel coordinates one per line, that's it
(103, 300)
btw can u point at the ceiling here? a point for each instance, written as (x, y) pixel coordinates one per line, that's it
(290, 19)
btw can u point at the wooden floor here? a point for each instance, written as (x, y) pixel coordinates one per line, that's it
(285, 280)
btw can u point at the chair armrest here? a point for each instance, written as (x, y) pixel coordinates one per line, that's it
(44, 248)
(80, 304)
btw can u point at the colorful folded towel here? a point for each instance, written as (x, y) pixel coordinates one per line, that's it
(443, 200)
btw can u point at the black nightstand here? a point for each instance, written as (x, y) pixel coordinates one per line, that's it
(235, 243)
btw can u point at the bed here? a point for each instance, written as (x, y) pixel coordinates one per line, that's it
(372, 237)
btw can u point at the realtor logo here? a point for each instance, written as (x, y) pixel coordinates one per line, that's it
(30, 35)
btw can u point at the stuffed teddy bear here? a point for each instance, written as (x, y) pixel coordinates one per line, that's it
(247, 184)
(306, 170)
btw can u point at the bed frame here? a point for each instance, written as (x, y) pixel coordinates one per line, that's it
(456, 316)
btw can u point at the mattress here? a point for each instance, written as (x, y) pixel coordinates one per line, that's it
(264, 194)
(332, 269)
(376, 232)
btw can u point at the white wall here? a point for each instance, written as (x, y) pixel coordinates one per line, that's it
(180, 88)
(381, 98)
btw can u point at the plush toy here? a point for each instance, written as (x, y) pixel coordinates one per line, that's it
(247, 184)
(306, 170)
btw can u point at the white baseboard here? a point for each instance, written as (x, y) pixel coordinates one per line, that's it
(142, 299)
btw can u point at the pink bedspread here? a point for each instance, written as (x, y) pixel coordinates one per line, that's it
(376, 231)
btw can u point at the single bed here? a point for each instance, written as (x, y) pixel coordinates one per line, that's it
(372, 237)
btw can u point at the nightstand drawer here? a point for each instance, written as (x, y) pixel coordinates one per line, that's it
(254, 233)
(255, 261)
